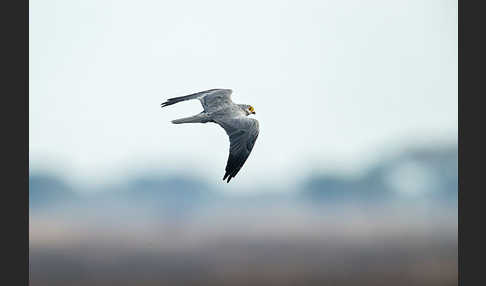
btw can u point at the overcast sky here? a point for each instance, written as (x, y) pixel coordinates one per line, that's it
(334, 83)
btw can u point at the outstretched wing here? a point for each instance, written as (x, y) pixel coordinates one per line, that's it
(242, 132)
(212, 99)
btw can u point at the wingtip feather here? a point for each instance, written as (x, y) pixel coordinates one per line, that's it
(227, 175)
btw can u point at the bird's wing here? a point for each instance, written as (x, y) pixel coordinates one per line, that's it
(242, 132)
(212, 99)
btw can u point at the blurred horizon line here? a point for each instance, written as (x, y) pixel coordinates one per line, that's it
(60, 169)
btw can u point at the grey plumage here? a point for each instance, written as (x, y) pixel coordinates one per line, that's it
(220, 109)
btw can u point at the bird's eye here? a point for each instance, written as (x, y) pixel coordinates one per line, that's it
(251, 108)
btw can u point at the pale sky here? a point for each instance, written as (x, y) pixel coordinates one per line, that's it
(334, 83)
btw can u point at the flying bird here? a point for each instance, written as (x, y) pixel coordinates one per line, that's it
(220, 109)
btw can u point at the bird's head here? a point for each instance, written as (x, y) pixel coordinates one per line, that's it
(248, 109)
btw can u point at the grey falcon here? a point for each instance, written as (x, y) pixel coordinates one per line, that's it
(220, 109)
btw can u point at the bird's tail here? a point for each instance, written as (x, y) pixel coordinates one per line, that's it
(199, 118)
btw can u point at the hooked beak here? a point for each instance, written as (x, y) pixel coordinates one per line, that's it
(253, 112)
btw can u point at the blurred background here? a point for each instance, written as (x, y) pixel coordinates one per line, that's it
(352, 181)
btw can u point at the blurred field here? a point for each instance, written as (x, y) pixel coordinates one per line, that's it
(284, 247)
(394, 225)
